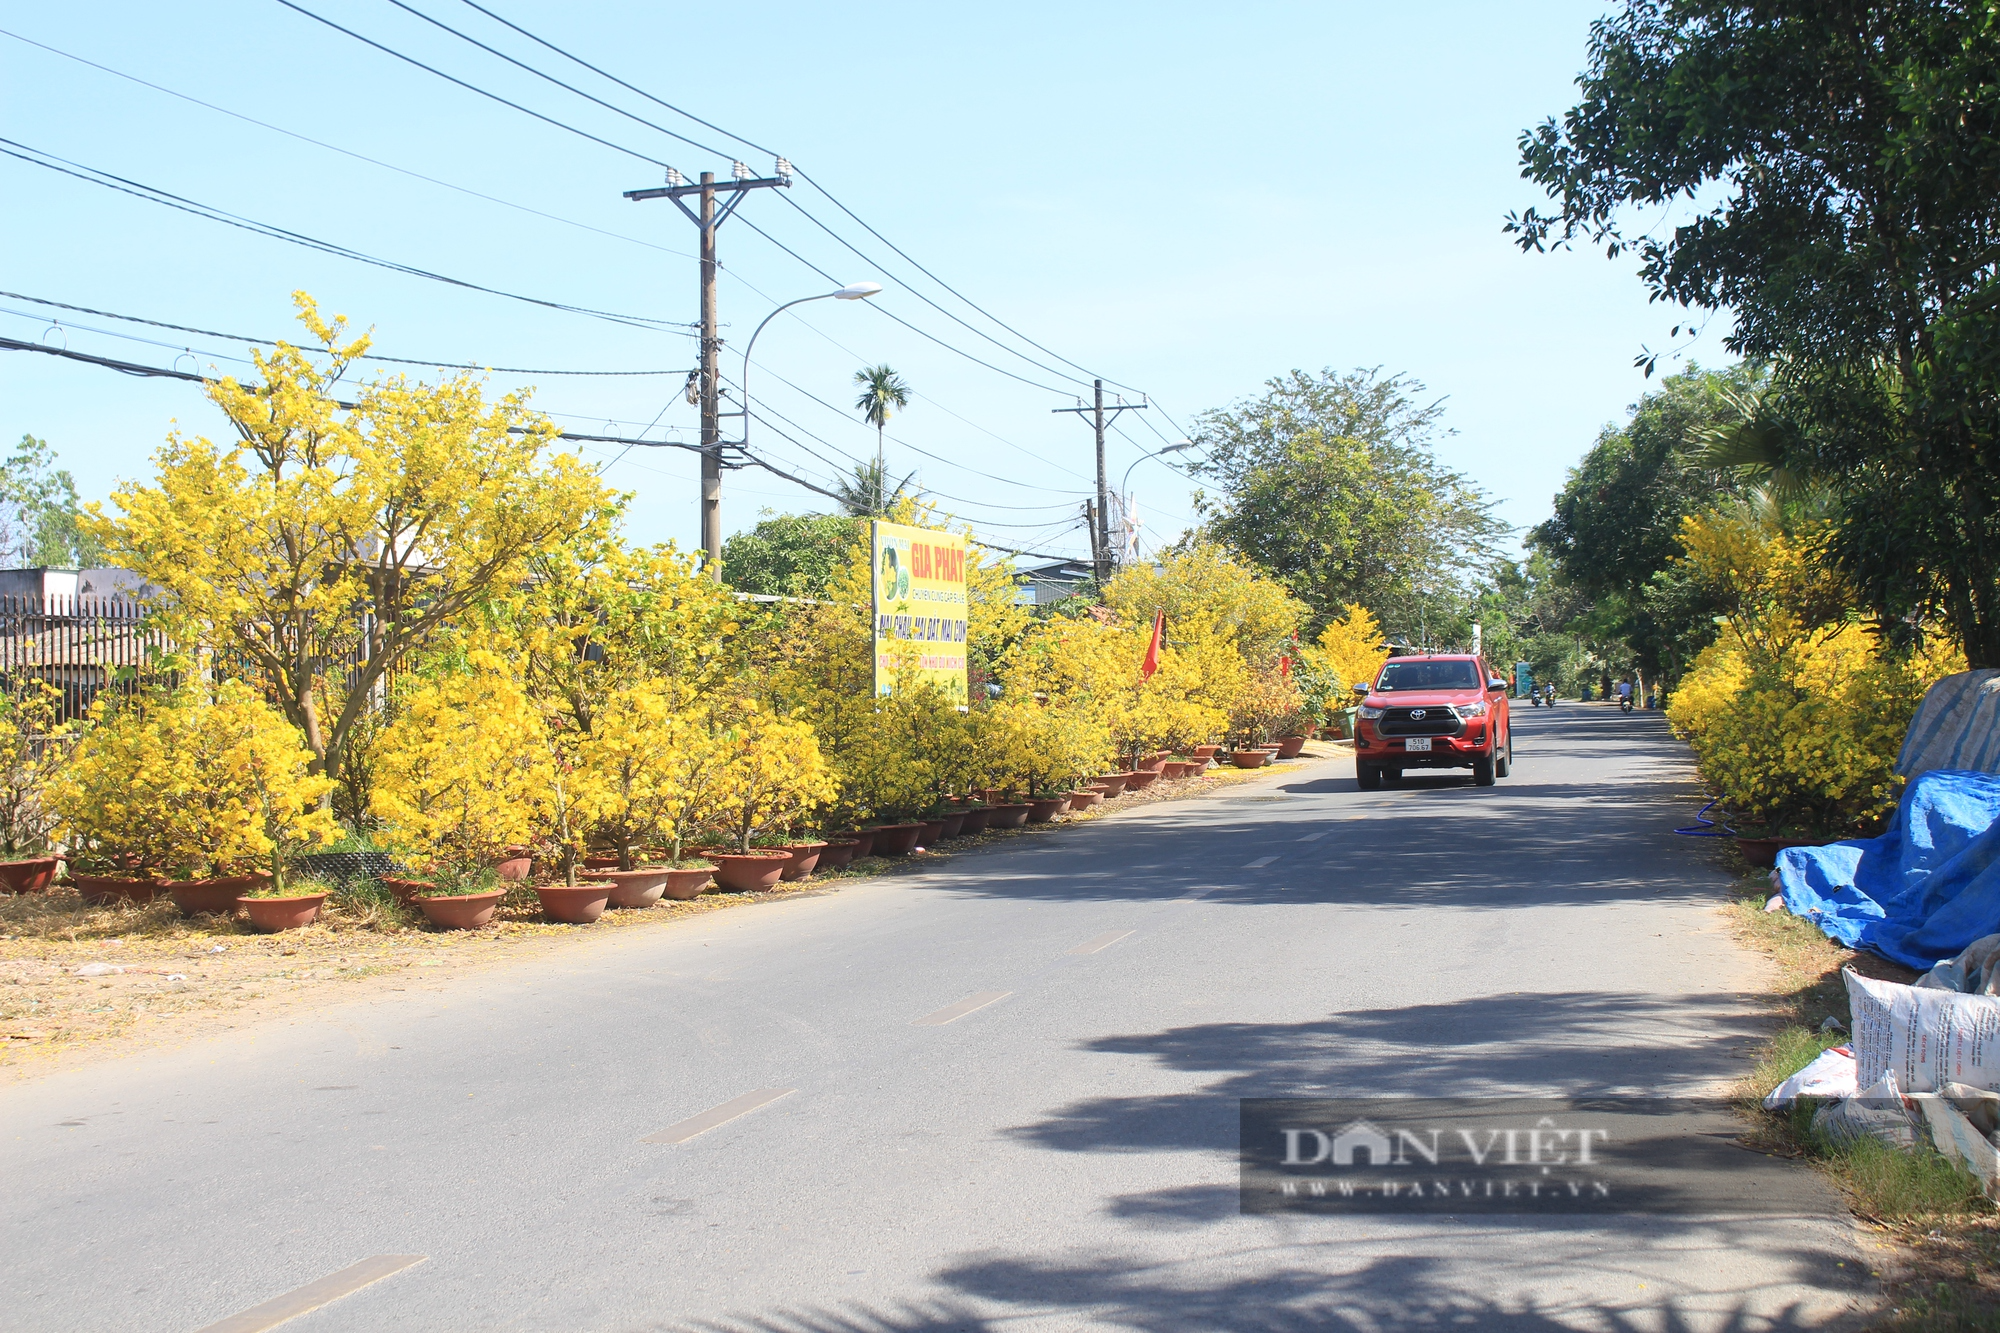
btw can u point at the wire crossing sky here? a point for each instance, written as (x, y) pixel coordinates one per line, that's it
(1239, 194)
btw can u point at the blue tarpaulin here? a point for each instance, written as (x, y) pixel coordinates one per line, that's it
(1921, 892)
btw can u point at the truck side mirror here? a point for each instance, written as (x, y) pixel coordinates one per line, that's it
(1495, 683)
(1362, 690)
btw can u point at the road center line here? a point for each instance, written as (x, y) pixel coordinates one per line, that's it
(1314, 837)
(720, 1115)
(953, 1012)
(1259, 863)
(321, 1291)
(1104, 941)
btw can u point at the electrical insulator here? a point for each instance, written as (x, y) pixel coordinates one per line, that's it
(675, 177)
(739, 171)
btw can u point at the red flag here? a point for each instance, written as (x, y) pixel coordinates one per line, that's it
(1285, 668)
(1152, 662)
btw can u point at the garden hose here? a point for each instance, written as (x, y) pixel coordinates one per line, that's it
(1704, 827)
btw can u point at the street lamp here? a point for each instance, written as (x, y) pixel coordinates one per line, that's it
(853, 291)
(1130, 537)
(1170, 449)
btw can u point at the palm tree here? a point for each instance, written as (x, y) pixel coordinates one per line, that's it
(867, 494)
(882, 389)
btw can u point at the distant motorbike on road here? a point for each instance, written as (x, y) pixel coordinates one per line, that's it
(1624, 703)
(1534, 698)
(1549, 696)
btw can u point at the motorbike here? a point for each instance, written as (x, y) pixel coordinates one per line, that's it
(1624, 703)
(1534, 698)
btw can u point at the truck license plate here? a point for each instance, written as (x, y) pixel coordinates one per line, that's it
(1417, 744)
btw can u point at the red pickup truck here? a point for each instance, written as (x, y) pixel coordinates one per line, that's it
(1441, 710)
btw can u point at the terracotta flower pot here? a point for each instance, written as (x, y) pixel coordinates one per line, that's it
(576, 904)
(748, 872)
(1177, 768)
(954, 825)
(1206, 751)
(600, 863)
(28, 876)
(1152, 763)
(1113, 783)
(896, 839)
(838, 854)
(461, 911)
(1141, 779)
(1085, 799)
(805, 858)
(1250, 758)
(514, 866)
(930, 832)
(974, 820)
(216, 896)
(1291, 746)
(634, 888)
(1043, 809)
(276, 914)
(1007, 816)
(685, 884)
(1764, 851)
(102, 890)
(863, 840)
(406, 891)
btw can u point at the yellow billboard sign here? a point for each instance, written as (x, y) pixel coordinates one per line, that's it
(919, 607)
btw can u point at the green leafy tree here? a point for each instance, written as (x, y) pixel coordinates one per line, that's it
(1331, 484)
(1838, 166)
(39, 512)
(1613, 536)
(883, 393)
(788, 555)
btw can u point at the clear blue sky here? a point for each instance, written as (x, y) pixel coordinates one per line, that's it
(1185, 198)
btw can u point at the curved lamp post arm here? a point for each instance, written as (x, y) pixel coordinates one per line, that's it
(1170, 449)
(854, 291)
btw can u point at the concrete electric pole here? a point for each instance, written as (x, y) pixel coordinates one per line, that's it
(709, 220)
(1100, 532)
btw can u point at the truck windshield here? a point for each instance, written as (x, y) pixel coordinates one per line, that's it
(1429, 676)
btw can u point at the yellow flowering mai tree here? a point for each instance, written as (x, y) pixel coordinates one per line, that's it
(34, 742)
(1353, 646)
(327, 544)
(1797, 710)
(188, 784)
(462, 772)
(661, 767)
(773, 778)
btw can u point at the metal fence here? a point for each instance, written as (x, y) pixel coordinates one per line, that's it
(77, 644)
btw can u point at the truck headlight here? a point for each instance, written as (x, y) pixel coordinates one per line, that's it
(1473, 710)
(1370, 713)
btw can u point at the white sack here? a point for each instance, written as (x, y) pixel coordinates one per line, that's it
(1926, 1038)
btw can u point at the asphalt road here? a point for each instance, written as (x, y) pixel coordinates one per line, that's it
(1055, 1148)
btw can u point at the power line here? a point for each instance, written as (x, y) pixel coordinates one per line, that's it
(911, 289)
(272, 342)
(634, 88)
(345, 152)
(439, 23)
(431, 69)
(167, 199)
(1046, 388)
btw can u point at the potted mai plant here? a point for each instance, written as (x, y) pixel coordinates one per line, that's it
(34, 741)
(657, 768)
(200, 792)
(775, 776)
(457, 786)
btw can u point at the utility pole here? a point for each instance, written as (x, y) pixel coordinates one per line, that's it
(1100, 533)
(709, 220)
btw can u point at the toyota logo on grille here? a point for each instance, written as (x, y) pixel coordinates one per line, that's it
(1416, 715)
